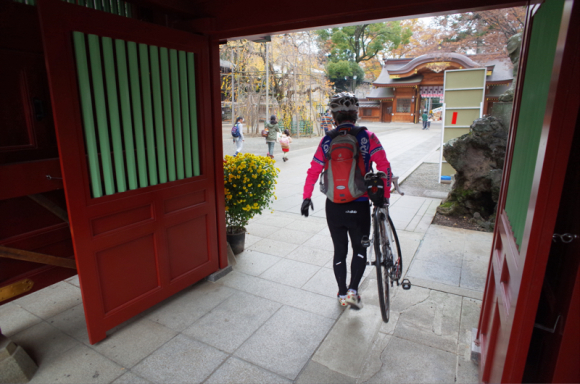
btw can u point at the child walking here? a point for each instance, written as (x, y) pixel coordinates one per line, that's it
(285, 141)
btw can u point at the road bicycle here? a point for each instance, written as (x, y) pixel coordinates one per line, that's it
(388, 260)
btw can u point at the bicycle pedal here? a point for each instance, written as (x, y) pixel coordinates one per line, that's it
(406, 284)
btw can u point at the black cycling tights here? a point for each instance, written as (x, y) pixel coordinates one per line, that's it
(354, 219)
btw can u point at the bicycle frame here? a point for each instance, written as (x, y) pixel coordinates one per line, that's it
(389, 238)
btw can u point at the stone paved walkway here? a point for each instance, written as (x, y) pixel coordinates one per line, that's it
(275, 318)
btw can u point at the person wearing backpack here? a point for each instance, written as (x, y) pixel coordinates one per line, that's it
(345, 154)
(273, 130)
(285, 141)
(238, 135)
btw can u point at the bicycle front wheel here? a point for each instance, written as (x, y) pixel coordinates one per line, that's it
(382, 271)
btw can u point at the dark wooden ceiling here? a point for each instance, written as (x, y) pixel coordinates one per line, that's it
(252, 18)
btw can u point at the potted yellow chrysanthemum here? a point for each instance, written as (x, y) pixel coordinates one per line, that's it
(249, 182)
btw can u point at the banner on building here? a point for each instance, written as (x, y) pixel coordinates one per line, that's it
(431, 91)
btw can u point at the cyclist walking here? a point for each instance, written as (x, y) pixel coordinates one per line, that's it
(347, 204)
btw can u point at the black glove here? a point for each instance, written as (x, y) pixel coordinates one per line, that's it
(307, 203)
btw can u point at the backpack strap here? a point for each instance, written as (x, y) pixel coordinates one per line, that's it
(352, 131)
(364, 147)
(331, 135)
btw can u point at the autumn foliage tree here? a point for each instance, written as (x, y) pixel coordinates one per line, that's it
(246, 86)
(425, 38)
(296, 80)
(483, 32)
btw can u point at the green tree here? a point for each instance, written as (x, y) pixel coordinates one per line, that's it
(358, 43)
(342, 74)
(362, 42)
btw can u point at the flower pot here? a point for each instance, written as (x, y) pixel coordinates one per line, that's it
(236, 241)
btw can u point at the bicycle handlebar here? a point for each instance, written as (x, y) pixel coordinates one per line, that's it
(383, 175)
(396, 185)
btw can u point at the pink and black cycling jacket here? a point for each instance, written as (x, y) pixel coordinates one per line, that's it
(371, 150)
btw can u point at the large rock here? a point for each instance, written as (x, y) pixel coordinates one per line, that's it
(478, 158)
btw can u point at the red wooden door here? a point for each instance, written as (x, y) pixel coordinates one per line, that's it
(545, 116)
(135, 148)
(387, 111)
(554, 349)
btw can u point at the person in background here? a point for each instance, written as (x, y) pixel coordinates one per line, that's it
(425, 118)
(285, 141)
(239, 141)
(326, 121)
(273, 130)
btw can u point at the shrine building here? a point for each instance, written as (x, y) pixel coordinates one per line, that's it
(408, 86)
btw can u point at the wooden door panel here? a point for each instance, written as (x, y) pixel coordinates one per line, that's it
(184, 201)
(387, 108)
(188, 242)
(135, 140)
(489, 343)
(508, 272)
(118, 220)
(127, 271)
(502, 289)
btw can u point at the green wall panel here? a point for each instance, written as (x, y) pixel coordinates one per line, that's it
(546, 24)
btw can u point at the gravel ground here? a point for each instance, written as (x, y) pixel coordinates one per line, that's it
(423, 182)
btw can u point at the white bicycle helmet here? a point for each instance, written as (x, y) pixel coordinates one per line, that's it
(343, 101)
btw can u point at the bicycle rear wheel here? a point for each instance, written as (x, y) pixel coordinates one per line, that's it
(397, 268)
(380, 265)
